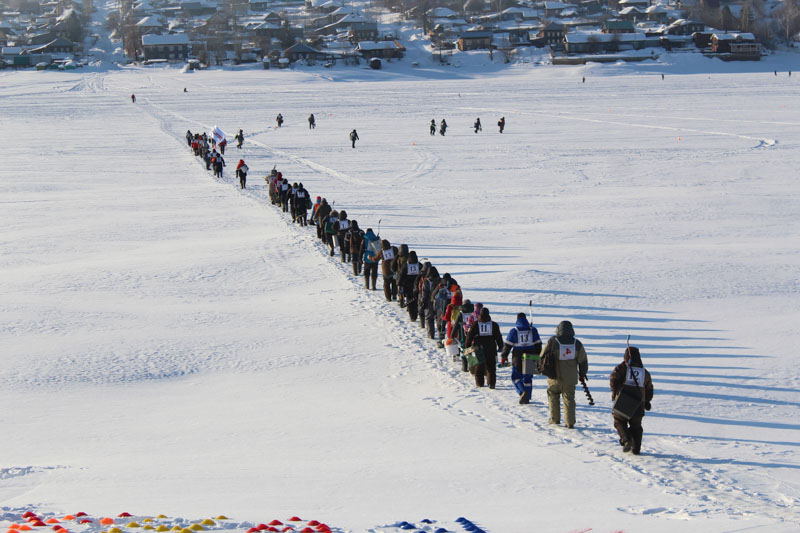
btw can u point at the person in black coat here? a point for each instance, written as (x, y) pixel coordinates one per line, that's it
(486, 333)
(630, 377)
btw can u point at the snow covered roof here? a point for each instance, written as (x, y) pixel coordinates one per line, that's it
(351, 18)
(555, 5)
(345, 10)
(596, 36)
(67, 14)
(630, 9)
(149, 22)
(734, 36)
(160, 40)
(656, 9)
(442, 12)
(381, 45)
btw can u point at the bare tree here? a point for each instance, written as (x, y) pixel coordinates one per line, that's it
(788, 17)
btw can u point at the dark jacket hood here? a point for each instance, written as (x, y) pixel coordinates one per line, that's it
(564, 332)
(522, 323)
(632, 356)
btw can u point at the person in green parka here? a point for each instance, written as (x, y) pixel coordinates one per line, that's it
(571, 363)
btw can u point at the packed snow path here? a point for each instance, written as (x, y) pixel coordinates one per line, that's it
(226, 346)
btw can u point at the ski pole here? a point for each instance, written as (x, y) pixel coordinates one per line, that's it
(379, 227)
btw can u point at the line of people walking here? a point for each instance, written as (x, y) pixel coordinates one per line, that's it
(465, 329)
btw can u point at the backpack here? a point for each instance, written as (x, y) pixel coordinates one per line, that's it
(547, 364)
(330, 225)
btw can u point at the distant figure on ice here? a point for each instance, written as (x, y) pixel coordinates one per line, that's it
(184, 90)
(133, 98)
(239, 139)
(241, 173)
(583, 79)
(662, 76)
(631, 379)
(189, 138)
(433, 127)
(443, 127)
(353, 137)
(477, 125)
(312, 122)
(279, 120)
(501, 124)
(222, 144)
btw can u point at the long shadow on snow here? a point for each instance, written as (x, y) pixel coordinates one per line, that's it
(712, 461)
(726, 422)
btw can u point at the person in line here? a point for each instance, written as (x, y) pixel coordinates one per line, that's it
(189, 138)
(631, 376)
(133, 98)
(387, 255)
(443, 127)
(353, 137)
(279, 120)
(341, 231)
(286, 188)
(355, 236)
(501, 124)
(477, 125)
(222, 144)
(399, 264)
(241, 173)
(301, 203)
(433, 127)
(370, 246)
(486, 333)
(239, 139)
(460, 329)
(331, 230)
(217, 163)
(407, 280)
(523, 339)
(427, 314)
(571, 364)
(312, 122)
(320, 215)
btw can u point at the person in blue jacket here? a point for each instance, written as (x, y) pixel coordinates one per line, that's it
(522, 339)
(370, 246)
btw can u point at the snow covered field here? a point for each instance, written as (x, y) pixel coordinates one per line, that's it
(171, 344)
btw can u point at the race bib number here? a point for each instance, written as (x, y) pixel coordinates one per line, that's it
(413, 269)
(344, 224)
(388, 254)
(638, 373)
(525, 337)
(301, 194)
(484, 329)
(566, 352)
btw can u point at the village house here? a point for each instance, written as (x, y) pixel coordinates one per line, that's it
(475, 40)
(302, 51)
(618, 26)
(553, 35)
(381, 49)
(743, 45)
(597, 42)
(173, 47)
